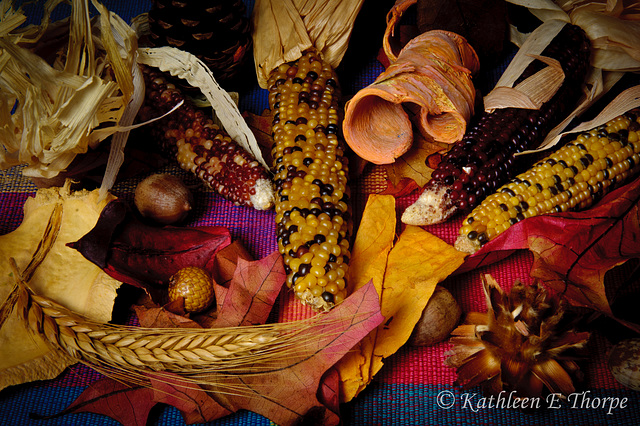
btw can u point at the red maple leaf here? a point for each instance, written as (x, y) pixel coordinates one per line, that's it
(573, 251)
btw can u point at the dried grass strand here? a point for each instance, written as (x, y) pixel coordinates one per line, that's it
(218, 360)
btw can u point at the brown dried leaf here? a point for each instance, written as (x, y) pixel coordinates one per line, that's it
(252, 292)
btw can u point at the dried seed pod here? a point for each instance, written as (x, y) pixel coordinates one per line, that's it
(195, 286)
(527, 341)
(163, 198)
(624, 363)
(439, 318)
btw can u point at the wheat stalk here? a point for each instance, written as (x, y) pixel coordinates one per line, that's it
(215, 359)
(155, 349)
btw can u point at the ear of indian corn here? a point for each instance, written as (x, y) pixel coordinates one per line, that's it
(572, 178)
(484, 158)
(202, 147)
(312, 202)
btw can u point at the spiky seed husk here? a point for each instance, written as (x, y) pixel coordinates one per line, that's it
(526, 342)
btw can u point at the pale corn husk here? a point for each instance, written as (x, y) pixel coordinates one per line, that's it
(284, 29)
(612, 25)
(530, 93)
(186, 66)
(58, 108)
(614, 30)
(625, 101)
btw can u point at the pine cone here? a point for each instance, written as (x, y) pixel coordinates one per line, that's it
(216, 31)
(523, 343)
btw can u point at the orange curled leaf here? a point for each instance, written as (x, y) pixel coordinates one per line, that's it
(432, 78)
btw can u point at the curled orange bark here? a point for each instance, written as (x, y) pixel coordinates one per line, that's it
(429, 86)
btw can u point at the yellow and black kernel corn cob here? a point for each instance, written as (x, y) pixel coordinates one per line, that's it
(484, 158)
(313, 216)
(202, 147)
(572, 178)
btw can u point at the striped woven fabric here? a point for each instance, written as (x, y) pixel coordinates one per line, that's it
(413, 388)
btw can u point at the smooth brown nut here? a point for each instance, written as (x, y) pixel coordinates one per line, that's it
(439, 318)
(163, 198)
(195, 286)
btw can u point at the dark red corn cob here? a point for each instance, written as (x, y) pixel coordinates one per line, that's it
(484, 159)
(202, 147)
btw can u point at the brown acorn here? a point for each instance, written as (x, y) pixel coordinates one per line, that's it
(195, 286)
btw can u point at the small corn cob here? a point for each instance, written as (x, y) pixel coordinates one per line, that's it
(202, 147)
(572, 178)
(484, 158)
(312, 202)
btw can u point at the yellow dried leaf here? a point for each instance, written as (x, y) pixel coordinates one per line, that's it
(373, 242)
(416, 264)
(412, 163)
(409, 271)
(372, 245)
(64, 275)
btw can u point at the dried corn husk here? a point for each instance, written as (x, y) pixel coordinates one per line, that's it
(614, 30)
(625, 101)
(59, 106)
(184, 65)
(283, 29)
(612, 25)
